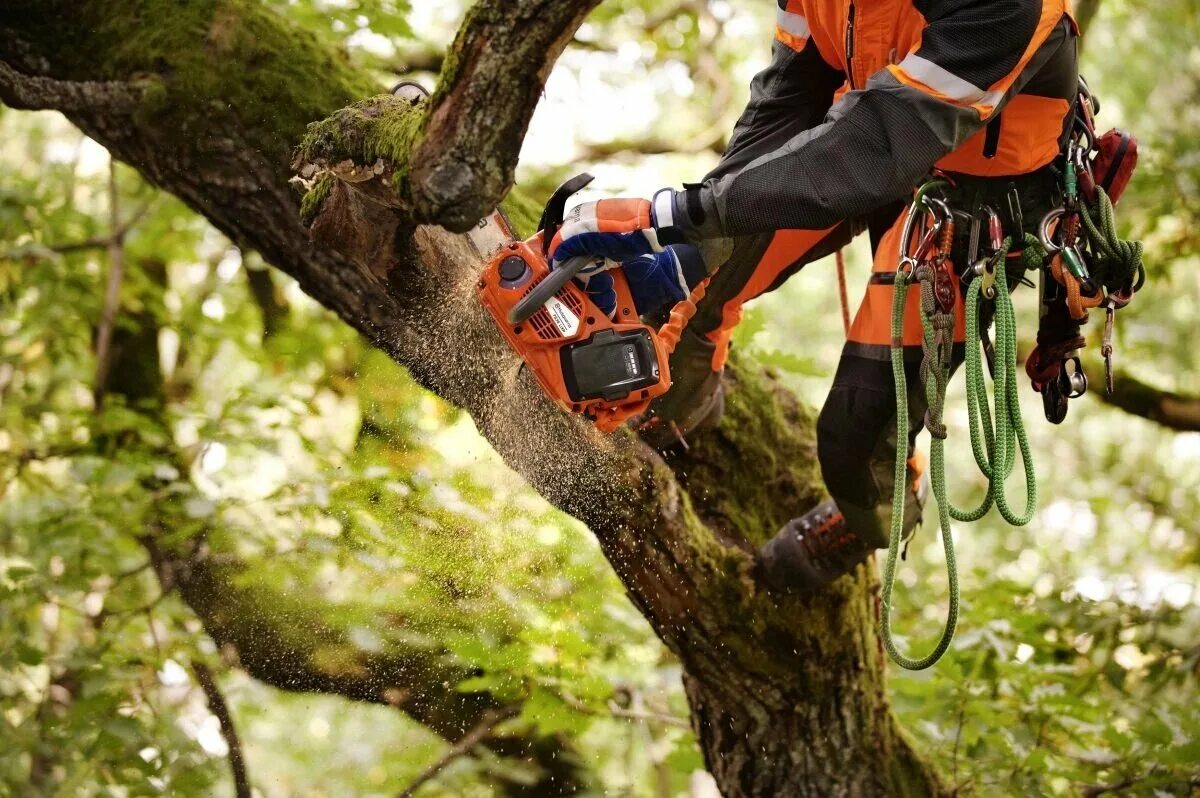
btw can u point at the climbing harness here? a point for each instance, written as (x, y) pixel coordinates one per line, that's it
(1083, 264)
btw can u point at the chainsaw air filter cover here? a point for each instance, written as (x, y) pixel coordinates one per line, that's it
(607, 369)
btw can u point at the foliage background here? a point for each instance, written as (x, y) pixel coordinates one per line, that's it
(344, 498)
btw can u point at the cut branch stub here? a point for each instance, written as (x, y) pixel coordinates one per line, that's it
(452, 160)
(371, 138)
(491, 81)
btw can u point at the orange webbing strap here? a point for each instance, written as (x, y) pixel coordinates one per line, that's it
(1078, 303)
(681, 314)
(841, 271)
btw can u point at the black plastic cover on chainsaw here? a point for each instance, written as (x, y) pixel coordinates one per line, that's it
(610, 365)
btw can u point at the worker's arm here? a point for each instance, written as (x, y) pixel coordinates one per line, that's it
(879, 141)
(790, 96)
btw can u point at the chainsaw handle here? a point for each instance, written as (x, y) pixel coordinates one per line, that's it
(556, 208)
(550, 285)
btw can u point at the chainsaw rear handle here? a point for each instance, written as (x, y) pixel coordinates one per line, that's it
(541, 293)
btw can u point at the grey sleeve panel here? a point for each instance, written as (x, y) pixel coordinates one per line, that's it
(790, 96)
(874, 146)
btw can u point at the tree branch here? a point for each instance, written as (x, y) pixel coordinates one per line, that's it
(490, 84)
(482, 730)
(216, 703)
(1085, 14)
(418, 59)
(104, 242)
(714, 141)
(1171, 409)
(33, 93)
(272, 306)
(112, 291)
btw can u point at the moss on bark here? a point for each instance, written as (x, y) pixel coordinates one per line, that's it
(383, 127)
(314, 198)
(759, 469)
(199, 61)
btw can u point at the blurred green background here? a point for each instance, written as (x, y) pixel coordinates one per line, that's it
(352, 512)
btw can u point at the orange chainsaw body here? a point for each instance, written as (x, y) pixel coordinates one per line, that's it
(607, 369)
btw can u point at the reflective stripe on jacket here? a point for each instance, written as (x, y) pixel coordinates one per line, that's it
(888, 90)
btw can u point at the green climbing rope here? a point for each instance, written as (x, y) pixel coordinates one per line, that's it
(1115, 261)
(995, 447)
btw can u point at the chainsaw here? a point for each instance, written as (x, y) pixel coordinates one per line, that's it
(606, 368)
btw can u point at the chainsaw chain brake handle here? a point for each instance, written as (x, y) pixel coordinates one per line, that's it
(556, 208)
(552, 219)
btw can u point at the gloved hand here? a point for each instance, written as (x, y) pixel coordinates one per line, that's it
(616, 229)
(655, 281)
(632, 234)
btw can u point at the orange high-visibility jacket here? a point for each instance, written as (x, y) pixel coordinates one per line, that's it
(864, 97)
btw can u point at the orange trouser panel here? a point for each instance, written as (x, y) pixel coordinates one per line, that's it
(759, 264)
(873, 323)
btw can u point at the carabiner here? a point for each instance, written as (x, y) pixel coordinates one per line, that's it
(1044, 230)
(906, 263)
(1073, 259)
(927, 240)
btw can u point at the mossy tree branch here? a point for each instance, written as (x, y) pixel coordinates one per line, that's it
(491, 81)
(33, 93)
(453, 159)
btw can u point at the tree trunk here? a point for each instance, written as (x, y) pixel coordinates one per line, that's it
(788, 696)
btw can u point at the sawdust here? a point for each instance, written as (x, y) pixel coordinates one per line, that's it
(591, 475)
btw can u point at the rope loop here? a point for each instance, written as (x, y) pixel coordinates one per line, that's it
(1116, 262)
(995, 446)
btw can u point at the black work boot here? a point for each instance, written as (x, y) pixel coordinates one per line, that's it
(694, 403)
(811, 551)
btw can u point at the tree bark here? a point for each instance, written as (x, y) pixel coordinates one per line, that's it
(1172, 409)
(788, 696)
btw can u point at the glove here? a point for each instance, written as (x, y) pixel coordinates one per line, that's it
(618, 230)
(632, 234)
(655, 281)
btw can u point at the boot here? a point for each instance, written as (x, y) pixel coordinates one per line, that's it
(695, 402)
(811, 551)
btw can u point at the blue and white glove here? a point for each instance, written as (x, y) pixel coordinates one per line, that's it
(655, 281)
(633, 234)
(616, 229)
